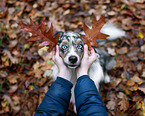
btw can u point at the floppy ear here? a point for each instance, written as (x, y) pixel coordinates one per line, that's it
(94, 34)
(40, 33)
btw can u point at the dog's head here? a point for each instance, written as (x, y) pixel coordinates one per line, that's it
(71, 48)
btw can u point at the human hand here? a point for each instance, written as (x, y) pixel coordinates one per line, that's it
(60, 64)
(87, 60)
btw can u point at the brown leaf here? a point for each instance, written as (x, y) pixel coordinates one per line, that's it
(136, 79)
(40, 33)
(115, 82)
(94, 34)
(13, 78)
(122, 50)
(111, 105)
(130, 82)
(13, 88)
(124, 104)
(142, 89)
(3, 74)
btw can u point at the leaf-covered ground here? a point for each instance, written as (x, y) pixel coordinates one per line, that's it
(25, 70)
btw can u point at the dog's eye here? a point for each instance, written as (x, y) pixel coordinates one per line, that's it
(80, 46)
(63, 47)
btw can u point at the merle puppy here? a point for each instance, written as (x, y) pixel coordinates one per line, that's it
(71, 48)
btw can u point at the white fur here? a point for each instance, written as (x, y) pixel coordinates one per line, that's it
(96, 73)
(113, 31)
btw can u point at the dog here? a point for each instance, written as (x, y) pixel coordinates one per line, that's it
(71, 50)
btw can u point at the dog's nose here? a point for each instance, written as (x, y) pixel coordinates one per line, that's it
(73, 59)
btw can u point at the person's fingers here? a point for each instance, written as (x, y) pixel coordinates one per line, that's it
(53, 54)
(93, 55)
(85, 50)
(92, 51)
(57, 51)
(89, 50)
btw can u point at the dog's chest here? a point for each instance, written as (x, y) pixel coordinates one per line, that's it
(72, 75)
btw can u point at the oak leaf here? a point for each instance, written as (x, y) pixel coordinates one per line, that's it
(91, 35)
(40, 33)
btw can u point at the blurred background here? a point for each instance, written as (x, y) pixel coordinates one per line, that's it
(25, 69)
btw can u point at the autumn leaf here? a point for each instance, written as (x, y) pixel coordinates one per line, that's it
(91, 35)
(130, 82)
(24, 67)
(136, 79)
(141, 89)
(140, 35)
(124, 104)
(111, 105)
(40, 33)
(115, 82)
(133, 88)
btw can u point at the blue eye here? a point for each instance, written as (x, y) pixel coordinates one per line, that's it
(63, 46)
(80, 46)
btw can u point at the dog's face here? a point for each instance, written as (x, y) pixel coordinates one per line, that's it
(71, 48)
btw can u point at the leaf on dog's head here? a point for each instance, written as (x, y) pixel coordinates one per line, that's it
(94, 34)
(40, 33)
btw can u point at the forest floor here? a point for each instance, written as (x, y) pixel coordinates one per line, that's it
(25, 72)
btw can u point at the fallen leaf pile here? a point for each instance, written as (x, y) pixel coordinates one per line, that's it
(25, 69)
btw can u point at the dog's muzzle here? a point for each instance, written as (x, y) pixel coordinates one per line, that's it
(73, 59)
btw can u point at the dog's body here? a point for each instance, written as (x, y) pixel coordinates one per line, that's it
(71, 49)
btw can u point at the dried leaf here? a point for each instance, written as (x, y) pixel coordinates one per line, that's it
(140, 35)
(13, 78)
(142, 48)
(122, 50)
(66, 12)
(40, 33)
(120, 95)
(14, 60)
(136, 79)
(91, 35)
(5, 105)
(124, 104)
(13, 43)
(13, 88)
(16, 99)
(130, 82)
(111, 105)
(133, 88)
(43, 50)
(111, 51)
(143, 73)
(141, 89)
(3, 74)
(5, 59)
(111, 13)
(115, 82)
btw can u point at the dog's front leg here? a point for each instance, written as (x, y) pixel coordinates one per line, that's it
(55, 72)
(96, 73)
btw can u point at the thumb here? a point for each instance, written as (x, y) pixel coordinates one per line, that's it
(92, 54)
(85, 50)
(57, 50)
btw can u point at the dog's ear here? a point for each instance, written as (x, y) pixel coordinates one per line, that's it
(40, 33)
(94, 34)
